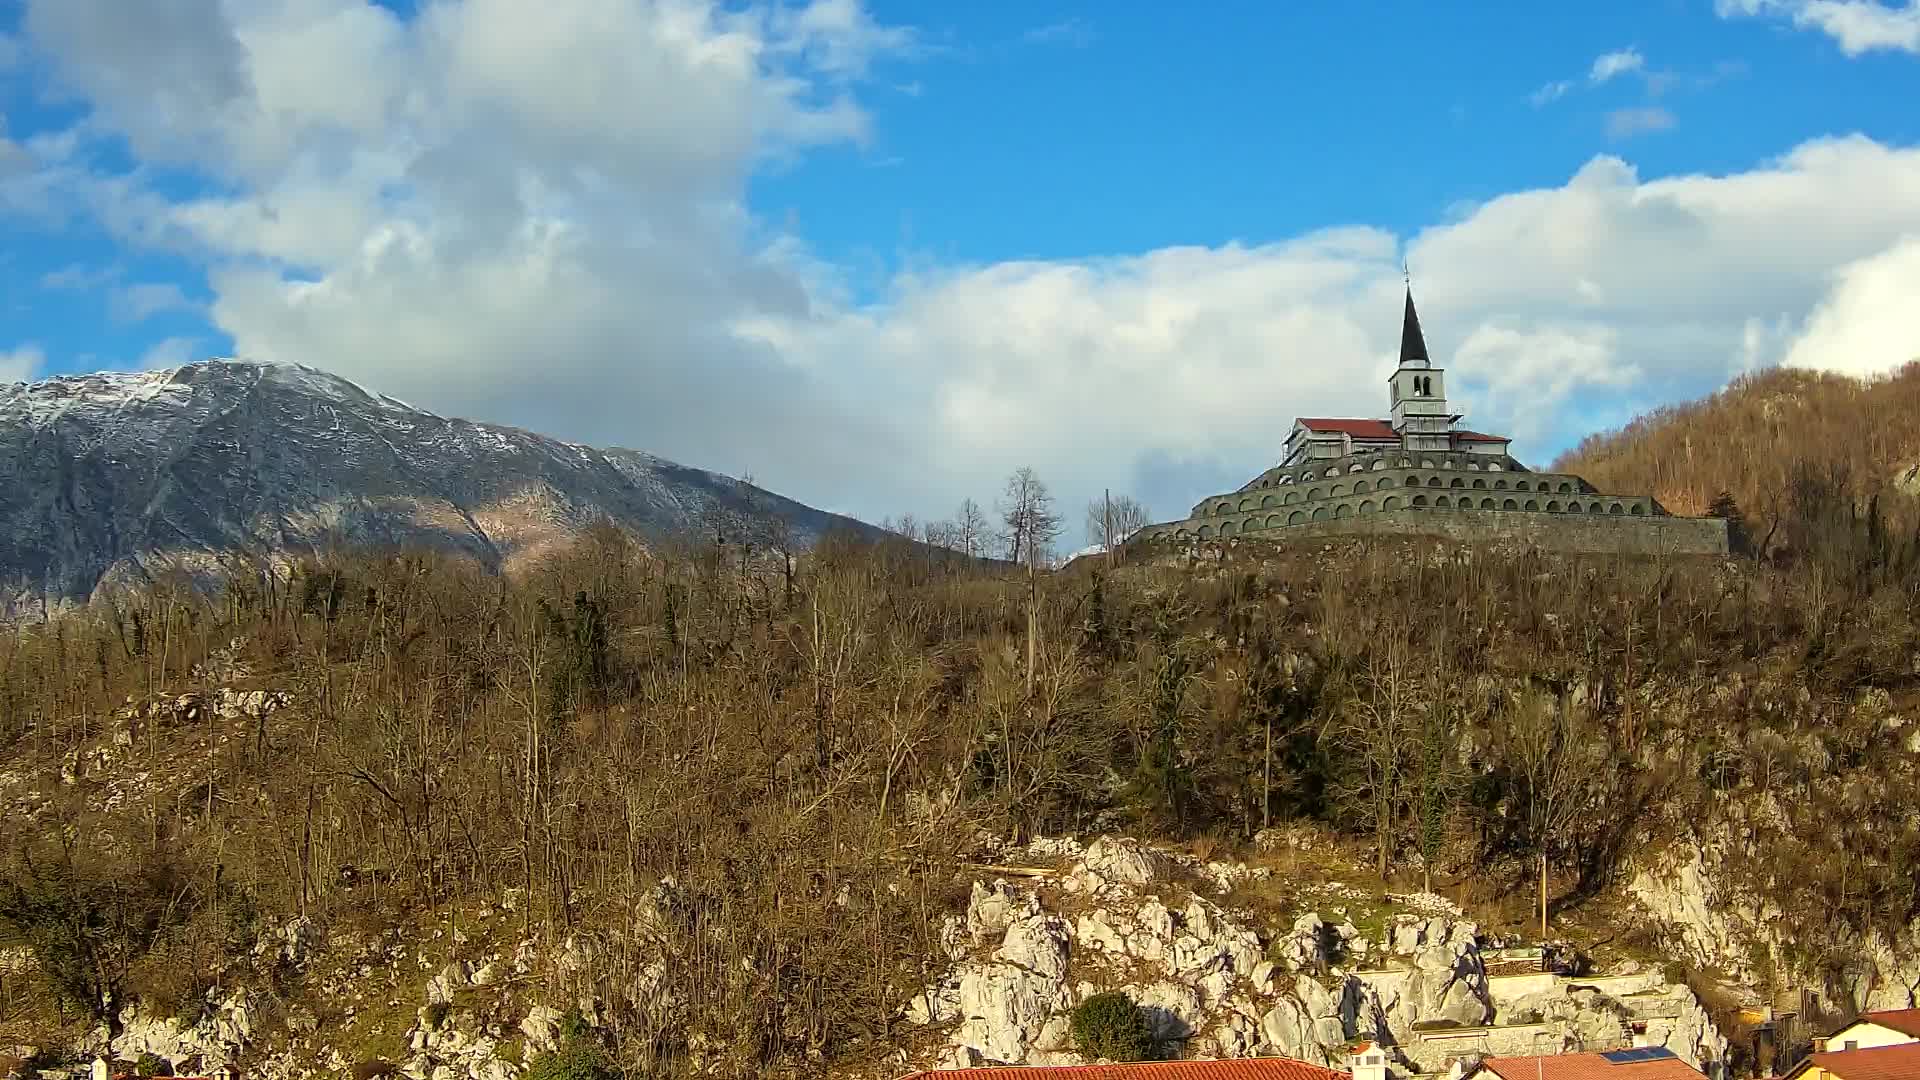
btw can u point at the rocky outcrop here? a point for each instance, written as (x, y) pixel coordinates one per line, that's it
(1212, 983)
(218, 1037)
(1711, 921)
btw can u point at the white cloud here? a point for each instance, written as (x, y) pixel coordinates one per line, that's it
(1550, 93)
(1613, 64)
(76, 276)
(1857, 26)
(1868, 323)
(487, 231)
(143, 300)
(1605, 68)
(1074, 32)
(14, 158)
(172, 352)
(1625, 123)
(21, 363)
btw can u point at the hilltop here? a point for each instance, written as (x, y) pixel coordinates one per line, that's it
(119, 477)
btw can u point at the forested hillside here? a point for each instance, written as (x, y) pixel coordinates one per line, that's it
(1750, 439)
(810, 757)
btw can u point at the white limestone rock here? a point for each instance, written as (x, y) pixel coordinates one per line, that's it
(1095, 930)
(993, 908)
(542, 1028)
(1005, 1009)
(1037, 944)
(1112, 864)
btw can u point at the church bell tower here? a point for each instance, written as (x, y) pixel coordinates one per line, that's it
(1419, 390)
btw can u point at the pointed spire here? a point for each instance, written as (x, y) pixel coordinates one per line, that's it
(1413, 345)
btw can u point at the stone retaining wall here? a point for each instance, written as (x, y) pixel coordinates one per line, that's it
(1576, 533)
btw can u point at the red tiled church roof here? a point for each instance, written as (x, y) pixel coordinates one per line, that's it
(1238, 1069)
(1359, 429)
(1900, 1062)
(1379, 429)
(1589, 1067)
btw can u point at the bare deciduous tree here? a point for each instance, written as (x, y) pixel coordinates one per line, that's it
(1032, 524)
(1111, 519)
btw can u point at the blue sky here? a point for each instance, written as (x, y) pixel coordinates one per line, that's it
(1110, 129)
(877, 255)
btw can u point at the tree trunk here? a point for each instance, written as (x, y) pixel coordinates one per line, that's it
(1543, 898)
(1266, 778)
(1033, 618)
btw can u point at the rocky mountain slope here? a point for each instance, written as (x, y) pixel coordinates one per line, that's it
(110, 476)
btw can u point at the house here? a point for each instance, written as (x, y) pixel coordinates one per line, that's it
(1648, 1063)
(1231, 1069)
(1890, 1027)
(1900, 1061)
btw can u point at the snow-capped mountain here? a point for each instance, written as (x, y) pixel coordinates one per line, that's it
(109, 476)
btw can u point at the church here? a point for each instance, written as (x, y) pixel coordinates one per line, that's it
(1418, 472)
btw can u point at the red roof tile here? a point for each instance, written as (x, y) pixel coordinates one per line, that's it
(1900, 1062)
(1905, 1021)
(1236, 1069)
(1479, 436)
(1359, 429)
(1589, 1067)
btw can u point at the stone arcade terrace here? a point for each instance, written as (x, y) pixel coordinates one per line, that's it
(1418, 473)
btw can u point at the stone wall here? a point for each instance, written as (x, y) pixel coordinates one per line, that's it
(1590, 534)
(1582, 533)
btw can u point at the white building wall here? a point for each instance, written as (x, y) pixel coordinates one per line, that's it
(1865, 1035)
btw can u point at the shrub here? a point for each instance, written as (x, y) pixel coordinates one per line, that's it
(1110, 1026)
(578, 1057)
(152, 1064)
(437, 1014)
